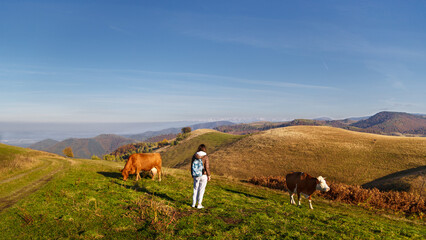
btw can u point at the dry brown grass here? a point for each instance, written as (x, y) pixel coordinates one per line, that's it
(15, 159)
(340, 155)
(199, 132)
(159, 216)
(408, 203)
(18, 162)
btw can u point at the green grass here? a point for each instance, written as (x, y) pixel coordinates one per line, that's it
(89, 200)
(181, 154)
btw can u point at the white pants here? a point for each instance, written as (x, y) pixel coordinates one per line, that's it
(200, 184)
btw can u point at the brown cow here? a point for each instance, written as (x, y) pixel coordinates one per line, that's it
(302, 183)
(142, 162)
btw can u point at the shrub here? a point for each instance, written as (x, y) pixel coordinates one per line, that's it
(163, 143)
(109, 157)
(68, 152)
(186, 130)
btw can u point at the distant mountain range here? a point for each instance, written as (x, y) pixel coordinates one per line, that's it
(84, 147)
(388, 123)
(150, 134)
(43, 144)
(107, 143)
(394, 122)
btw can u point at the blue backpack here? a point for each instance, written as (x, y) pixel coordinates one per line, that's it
(197, 168)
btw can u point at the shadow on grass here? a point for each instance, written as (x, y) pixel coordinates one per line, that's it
(395, 180)
(245, 194)
(115, 175)
(138, 188)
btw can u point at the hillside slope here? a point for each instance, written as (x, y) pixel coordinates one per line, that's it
(180, 155)
(23, 171)
(410, 180)
(342, 155)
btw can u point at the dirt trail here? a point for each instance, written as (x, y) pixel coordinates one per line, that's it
(14, 197)
(24, 174)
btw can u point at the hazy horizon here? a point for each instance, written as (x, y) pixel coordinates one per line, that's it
(25, 133)
(20, 133)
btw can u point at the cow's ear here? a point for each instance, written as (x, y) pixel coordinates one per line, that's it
(317, 181)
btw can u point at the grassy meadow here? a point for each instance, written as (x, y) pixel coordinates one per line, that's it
(90, 201)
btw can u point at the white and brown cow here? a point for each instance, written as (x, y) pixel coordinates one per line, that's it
(303, 183)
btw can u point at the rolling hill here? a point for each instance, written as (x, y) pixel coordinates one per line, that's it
(338, 154)
(87, 147)
(387, 123)
(247, 128)
(14, 159)
(180, 155)
(23, 171)
(146, 136)
(394, 123)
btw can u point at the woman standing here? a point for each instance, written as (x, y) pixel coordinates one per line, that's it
(200, 170)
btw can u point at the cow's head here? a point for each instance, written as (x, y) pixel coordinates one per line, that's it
(125, 174)
(322, 185)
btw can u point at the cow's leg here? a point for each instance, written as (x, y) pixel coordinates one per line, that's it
(291, 196)
(137, 174)
(159, 173)
(153, 172)
(310, 203)
(298, 198)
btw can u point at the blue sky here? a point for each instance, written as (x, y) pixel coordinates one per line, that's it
(148, 61)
